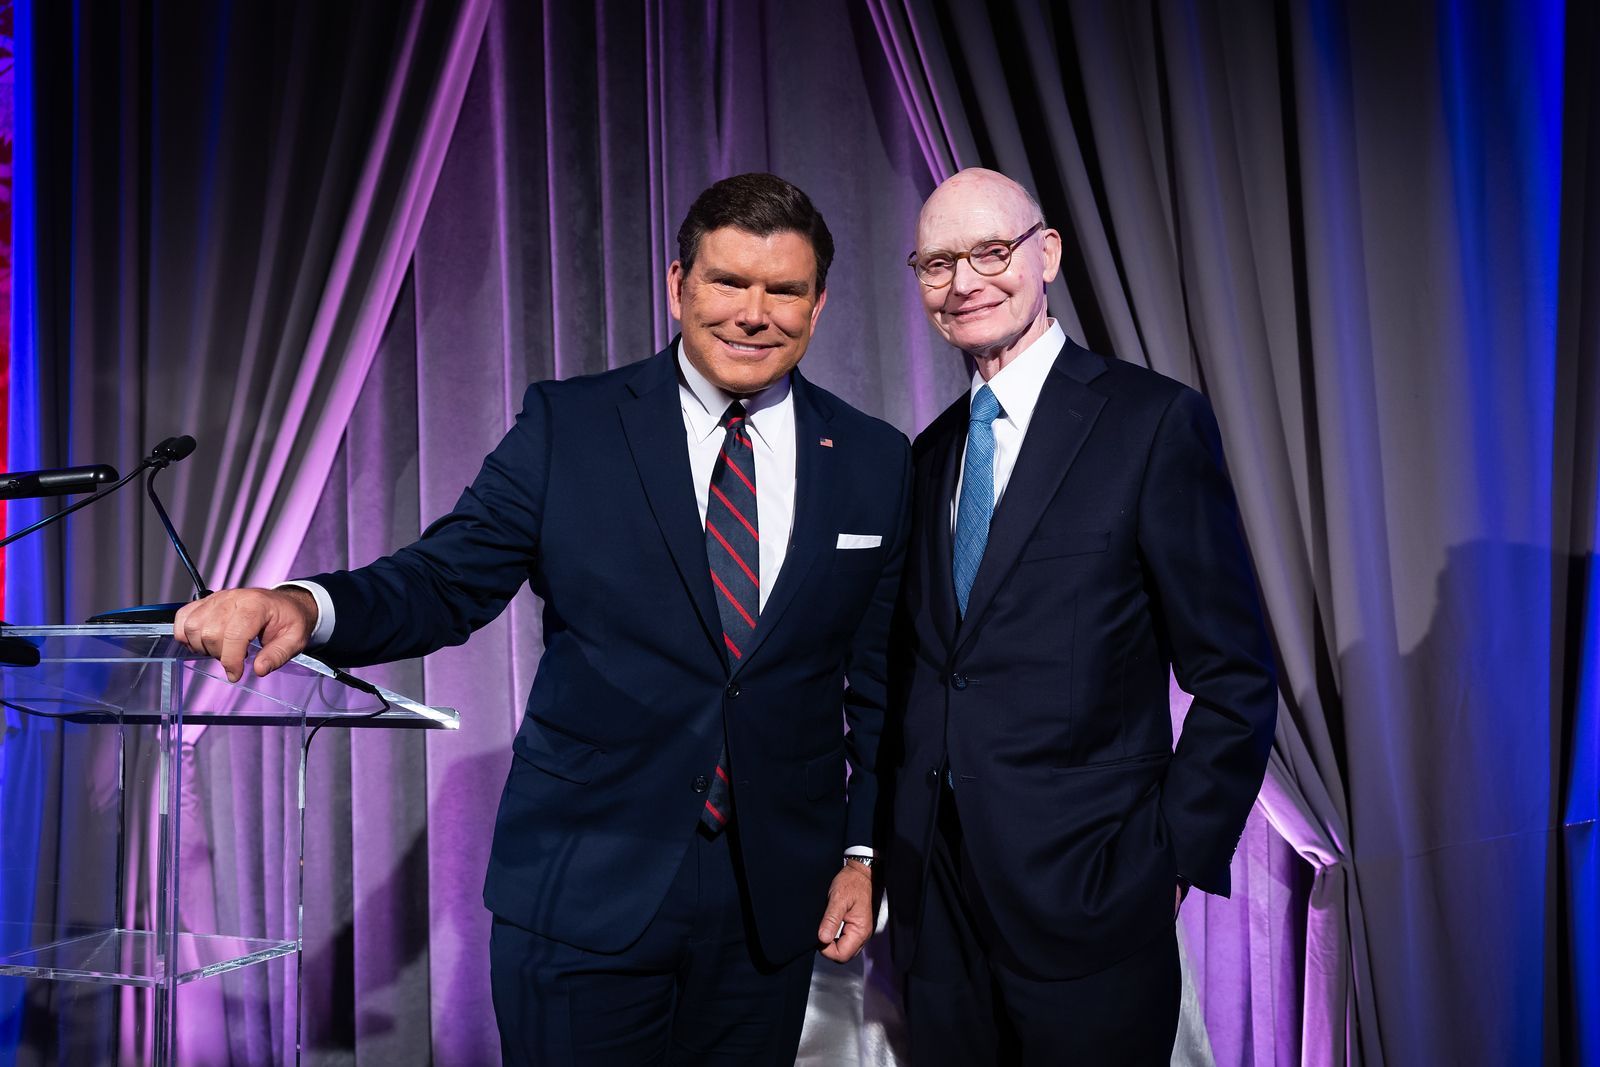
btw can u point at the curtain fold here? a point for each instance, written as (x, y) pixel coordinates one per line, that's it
(1347, 224)
(1576, 953)
(378, 232)
(238, 193)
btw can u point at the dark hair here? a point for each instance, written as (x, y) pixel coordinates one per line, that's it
(762, 204)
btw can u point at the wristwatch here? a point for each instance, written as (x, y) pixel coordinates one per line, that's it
(865, 861)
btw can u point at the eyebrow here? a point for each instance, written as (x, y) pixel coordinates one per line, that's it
(992, 239)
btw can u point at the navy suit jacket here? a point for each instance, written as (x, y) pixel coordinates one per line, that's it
(589, 498)
(1115, 551)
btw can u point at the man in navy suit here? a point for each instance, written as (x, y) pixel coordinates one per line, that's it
(1074, 534)
(717, 543)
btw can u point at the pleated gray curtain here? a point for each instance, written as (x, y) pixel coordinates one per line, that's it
(1358, 228)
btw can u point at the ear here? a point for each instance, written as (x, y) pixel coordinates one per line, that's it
(816, 312)
(1050, 249)
(675, 289)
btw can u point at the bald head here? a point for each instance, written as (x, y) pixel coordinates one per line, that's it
(990, 317)
(978, 192)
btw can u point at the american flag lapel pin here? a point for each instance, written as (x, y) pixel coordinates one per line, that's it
(825, 442)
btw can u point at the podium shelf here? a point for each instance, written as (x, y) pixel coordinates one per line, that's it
(131, 957)
(126, 674)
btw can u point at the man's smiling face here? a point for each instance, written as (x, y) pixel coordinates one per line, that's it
(987, 316)
(747, 306)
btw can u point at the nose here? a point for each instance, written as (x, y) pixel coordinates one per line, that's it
(963, 279)
(751, 314)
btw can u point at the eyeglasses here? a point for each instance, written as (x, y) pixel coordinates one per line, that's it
(938, 269)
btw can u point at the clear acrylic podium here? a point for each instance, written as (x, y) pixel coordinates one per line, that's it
(127, 696)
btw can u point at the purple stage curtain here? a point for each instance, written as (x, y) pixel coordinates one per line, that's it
(336, 241)
(230, 199)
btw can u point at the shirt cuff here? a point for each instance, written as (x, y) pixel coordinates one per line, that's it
(859, 850)
(323, 631)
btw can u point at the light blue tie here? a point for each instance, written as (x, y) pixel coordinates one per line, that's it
(977, 494)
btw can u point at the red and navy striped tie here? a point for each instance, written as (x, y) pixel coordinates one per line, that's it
(733, 548)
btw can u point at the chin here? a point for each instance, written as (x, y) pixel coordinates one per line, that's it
(745, 378)
(972, 342)
(983, 340)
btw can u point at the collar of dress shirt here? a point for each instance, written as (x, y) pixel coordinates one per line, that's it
(1018, 383)
(703, 404)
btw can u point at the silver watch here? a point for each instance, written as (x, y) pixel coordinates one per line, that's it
(865, 861)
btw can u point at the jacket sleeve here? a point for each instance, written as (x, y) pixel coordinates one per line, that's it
(1210, 617)
(464, 568)
(866, 672)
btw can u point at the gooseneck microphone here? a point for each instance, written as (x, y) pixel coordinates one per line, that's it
(163, 455)
(25, 485)
(49, 520)
(169, 451)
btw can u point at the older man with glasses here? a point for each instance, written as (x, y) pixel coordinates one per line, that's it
(1075, 535)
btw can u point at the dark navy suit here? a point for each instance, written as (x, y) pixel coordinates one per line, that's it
(1115, 551)
(589, 498)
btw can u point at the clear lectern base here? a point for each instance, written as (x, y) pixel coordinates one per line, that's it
(130, 957)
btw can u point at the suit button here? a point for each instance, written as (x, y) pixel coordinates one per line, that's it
(700, 784)
(732, 690)
(958, 681)
(933, 774)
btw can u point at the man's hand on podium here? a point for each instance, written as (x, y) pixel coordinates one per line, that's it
(223, 624)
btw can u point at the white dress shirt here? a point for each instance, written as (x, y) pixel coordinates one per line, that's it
(770, 416)
(1016, 386)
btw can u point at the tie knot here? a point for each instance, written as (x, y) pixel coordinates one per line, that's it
(985, 408)
(734, 415)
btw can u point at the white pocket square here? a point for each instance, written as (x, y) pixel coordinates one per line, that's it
(860, 540)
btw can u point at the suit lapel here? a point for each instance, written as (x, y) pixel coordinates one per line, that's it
(652, 419)
(816, 472)
(935, 517)
(1061, 422)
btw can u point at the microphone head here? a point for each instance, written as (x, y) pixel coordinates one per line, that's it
(174, 449)
(63, 482)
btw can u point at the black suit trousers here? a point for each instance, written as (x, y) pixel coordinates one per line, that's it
(693, 989)
(967, 1008)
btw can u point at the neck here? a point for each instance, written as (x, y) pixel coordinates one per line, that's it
(992, 361)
